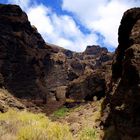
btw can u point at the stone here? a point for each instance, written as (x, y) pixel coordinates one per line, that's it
(61, 93)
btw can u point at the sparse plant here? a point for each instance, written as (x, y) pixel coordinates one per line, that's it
(61, 112)
(88, 134)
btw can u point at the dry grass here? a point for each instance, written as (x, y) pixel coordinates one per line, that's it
(88, 134)
(23, 125)
(28, 126)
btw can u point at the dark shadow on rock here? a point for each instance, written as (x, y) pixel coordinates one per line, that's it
(23, 56)
(120, 109)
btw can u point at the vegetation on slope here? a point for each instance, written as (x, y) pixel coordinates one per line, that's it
(83, 120)
(23, 125)
(28, 126)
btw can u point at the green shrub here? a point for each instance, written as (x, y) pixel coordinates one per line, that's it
(61, 112)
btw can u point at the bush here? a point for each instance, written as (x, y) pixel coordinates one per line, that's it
(62, 112)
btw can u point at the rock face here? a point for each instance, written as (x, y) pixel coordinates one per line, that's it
(95, 50)
(125, 92)
(87, 86)
(88, 74)
(82, 75)
(24, 57)
(7, 101)
(42, 73)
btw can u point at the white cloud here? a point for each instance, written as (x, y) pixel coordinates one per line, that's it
(84, 9)
(60, 30)
(23, 3)
(102, 16)
(38, 15)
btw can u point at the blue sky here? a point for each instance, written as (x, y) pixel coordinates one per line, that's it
(74, 24)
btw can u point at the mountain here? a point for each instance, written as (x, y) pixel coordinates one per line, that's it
(42, 77)
(42, 74)
(122, 102)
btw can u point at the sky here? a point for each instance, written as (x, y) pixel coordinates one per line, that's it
(74, 24)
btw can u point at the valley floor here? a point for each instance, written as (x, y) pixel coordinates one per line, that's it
(83, 120)
(73, 121)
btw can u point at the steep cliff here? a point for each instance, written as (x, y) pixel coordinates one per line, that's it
(122, 101)
(88, 74)
(23, 55)
(42, 74)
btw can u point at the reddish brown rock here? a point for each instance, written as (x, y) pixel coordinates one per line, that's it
(24, 56)
(123, 98)
(95, 50)
(86, 87)
(30, 69)
(40, 73)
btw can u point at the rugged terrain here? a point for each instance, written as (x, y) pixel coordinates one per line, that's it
(43, 75)
(122, 102)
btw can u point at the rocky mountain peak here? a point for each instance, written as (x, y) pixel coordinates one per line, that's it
(95, 50)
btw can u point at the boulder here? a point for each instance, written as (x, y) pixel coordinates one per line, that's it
(61, 93)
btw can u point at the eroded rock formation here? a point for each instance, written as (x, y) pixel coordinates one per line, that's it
(123, 98)
(24, 57)
(41, 73)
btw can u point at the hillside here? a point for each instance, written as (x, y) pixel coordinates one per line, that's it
(41, 75)
(92, 95)
(122, 101)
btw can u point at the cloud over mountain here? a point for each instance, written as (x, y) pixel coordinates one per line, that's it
(100, 17)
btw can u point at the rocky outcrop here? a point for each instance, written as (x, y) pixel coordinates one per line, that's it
(93, 83)
(95, 50)
(7, 101)
(24, 56)
(82, 74)
(87, 86)
(30, 69)
(94, 74)
(42, 73)
(123, 98)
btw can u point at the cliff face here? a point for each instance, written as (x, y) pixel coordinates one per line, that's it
(124, 95)
(43, 74)
(88, 74)
(95, 76)
(23, 55)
